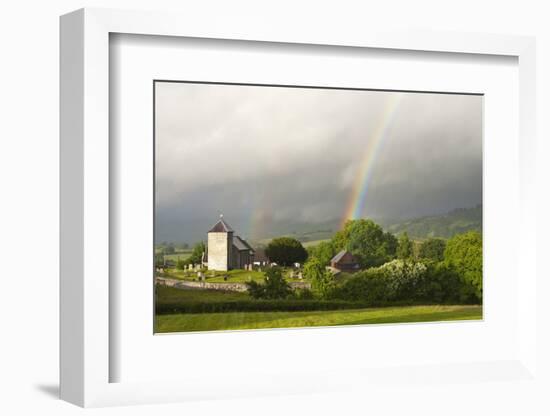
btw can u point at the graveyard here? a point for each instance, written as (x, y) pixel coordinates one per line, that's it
(198, 274)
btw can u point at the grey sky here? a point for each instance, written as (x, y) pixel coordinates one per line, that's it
(273, 155)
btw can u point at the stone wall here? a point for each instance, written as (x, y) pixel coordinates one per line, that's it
(229, 287)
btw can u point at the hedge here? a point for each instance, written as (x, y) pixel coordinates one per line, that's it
(281, 305)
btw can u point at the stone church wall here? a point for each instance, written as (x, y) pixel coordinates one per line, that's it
(219, 251)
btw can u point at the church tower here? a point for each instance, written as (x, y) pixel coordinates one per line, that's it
(220, 246)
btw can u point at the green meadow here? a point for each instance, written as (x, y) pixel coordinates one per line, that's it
(264, 320)
(234, 318)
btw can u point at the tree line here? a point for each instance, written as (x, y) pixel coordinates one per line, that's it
(392, 269)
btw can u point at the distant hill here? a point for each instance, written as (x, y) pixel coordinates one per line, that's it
(444, 226)
(303, 232)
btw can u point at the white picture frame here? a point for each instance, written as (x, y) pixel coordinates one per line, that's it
(85, 209)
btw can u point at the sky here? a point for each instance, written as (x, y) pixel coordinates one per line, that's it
(269, 157)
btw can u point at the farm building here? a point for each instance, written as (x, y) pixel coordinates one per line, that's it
(226, 251)
(344, 262)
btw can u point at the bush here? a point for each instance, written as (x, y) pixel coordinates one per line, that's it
(407, 282)
(322, 280)
(181, 264)
(274, 287)
(302, 294)
(397, 280)
(370, 287)
(404, 278)
(442, 284)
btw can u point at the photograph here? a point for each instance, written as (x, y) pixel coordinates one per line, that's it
(286, 206)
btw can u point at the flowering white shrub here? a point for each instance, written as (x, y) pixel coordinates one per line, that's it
(403, 268)
(403, 275)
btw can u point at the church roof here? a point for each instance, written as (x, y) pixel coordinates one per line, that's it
(241, 244)
(221, 227)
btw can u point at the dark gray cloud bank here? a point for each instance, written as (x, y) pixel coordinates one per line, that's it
(285, 157)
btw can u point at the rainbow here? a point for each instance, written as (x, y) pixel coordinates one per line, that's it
(261, 215)
(356, 202)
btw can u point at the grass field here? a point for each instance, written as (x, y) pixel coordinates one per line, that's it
(178, 255)
(262, 320)
(313, 243)
(172, 295)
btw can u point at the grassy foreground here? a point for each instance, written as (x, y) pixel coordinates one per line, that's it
(261, 320)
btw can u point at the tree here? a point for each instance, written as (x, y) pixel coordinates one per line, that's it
(445, 285)
(159, 260)
(432, 249)
(366, 241)
(169, 249)
(273, 287)
(180, 264)
(286, 251)
(196, 254)
(390, 244)
(404, 247)
(464, 252)
(322, 280)
(324, 252)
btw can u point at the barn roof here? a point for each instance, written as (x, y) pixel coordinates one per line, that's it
(339, 256)
(221, 227)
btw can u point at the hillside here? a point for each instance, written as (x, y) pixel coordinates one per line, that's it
(444, 226)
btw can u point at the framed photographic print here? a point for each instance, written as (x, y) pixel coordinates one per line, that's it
(237, 206)
(342, 206)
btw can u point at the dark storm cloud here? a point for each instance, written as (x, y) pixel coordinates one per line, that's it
(292, 155)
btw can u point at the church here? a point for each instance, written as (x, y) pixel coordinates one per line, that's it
(225, 250)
